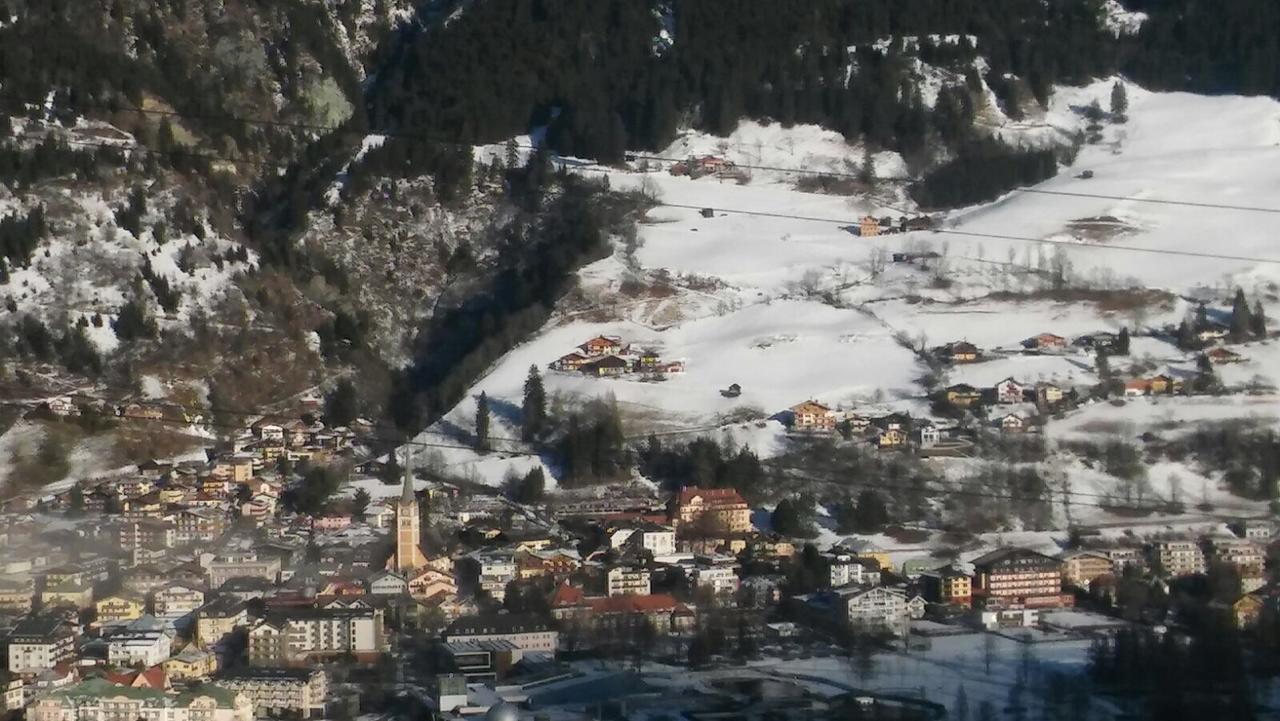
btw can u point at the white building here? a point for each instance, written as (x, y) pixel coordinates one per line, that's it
(657, 539)
(97, 699)
(37, 644)
(177, 600)
(1179, 558)
(625, 581)
(497, 569)
(276, 691)
(876, 608)
(149, 647)
(721, 578)
(288, 637)
(845, 569)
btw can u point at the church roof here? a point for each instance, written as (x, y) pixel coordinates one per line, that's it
(406, 492)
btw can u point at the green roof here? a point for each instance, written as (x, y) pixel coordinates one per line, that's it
(98, 688)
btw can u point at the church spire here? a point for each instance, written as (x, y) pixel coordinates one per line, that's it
(406, 493)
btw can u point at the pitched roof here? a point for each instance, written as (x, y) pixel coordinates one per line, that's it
(652, 603)
(724, 495)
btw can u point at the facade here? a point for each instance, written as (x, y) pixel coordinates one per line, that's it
(526, 632)
(497, 569)
(100, 700)
(1248, 558)
(146, 647)
(657, 539)
(1009, 391)
(1018, 576)
(875, 608)
(177, 599)
(276, 691)
(623, 581)
(947, 586)
(407, 556)
(721, 509)
(429, 582)
(812, 416)
(720, 578)
(36, 644)
(191, 664)
(300, 635)
(844, 569)
(119, 607)
(219, 619)
(245, 565)
(1178, 558)
(1079, 568)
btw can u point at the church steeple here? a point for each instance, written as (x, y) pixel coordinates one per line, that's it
(406, 492)
(407, 556)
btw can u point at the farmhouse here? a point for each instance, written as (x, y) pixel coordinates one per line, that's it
(1009, 391)
(1045, 341)
(602, 345)
(869, 226)
(958, 352)
(812, 416)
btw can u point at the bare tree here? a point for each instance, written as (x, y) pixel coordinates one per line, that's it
(877, 261)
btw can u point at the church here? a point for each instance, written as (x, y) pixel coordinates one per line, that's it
(407, 558)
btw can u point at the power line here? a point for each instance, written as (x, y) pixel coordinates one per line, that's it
(1156, 201)
(995, 236)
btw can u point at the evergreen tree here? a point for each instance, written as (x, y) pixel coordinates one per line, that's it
(1206, 380)
(1122, 342)
(75, 501)
(1186, 336)
(1119, 102)
(532, 488)
(1258, 320)
(1202, 318)
(871, 515)
(533, 415)
(1103, 366)
(482, 423)
(341, 406)
(1241, 322)
(360, 503)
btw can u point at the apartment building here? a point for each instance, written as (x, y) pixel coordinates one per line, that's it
(221, 569)
(1020, 576)
(528, 633)
(1178, 558)
(627, 581)
(300, 635)
(36, 644)
(875, 608)
(97, 699)
(279, 691)
(721, 510)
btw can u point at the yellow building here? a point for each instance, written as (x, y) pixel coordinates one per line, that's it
(119, 607)
(191, 664)
(68, 594)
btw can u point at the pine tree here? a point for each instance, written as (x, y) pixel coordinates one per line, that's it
(1104, 371)
(1241, 323)
(1186, 335)
(533, 416)
(532, 488)
(1122, 342)
(75, 501)
(360, 503)
(1206, 380)
(1258, 320)
(1119, 102)
(482, 423)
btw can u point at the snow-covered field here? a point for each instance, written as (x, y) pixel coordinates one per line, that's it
(773, 293)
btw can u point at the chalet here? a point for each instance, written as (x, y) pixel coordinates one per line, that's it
(602, 345)
(1009, 391)
(892, 430)
(1014, 423)
(1220, 355)
(571, 362)
(1137, 387)
(607, 366)
(1045, 341)
(62, 406)
(1212, 332)
(1165, 384)
(1103, 340)
(669, 368)
(868, 227)
(812, 416)
(1049, 394)
(963, 395)
(648, 360)
(959, 352)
